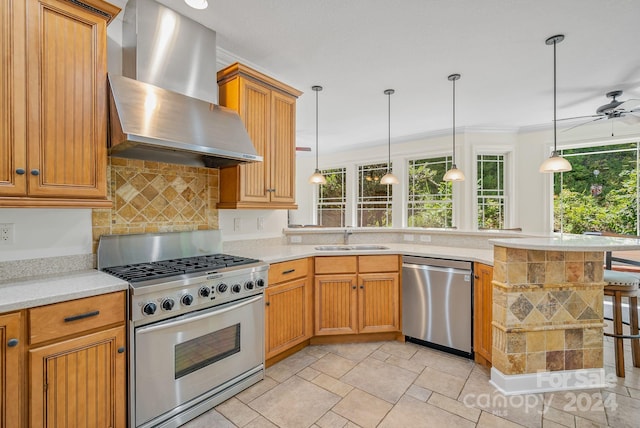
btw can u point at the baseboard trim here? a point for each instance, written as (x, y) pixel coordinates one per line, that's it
(562, 380)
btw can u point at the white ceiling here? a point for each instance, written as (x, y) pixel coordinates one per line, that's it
(358, 48)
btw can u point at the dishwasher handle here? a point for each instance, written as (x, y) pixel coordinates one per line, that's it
(437, 269)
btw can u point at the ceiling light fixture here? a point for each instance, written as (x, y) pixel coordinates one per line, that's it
(389, 178)
(317, 177)
(454, 174)
(555, 162)
(197, 4)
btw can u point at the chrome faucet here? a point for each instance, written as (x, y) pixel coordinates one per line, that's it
(347, 232)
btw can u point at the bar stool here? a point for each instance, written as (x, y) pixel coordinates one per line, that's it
(619, 285)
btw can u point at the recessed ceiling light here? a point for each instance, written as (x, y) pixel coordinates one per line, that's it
(197, 4)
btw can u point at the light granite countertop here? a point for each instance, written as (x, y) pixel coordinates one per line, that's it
(569, 242)
(37, 291)
(279, 253)
(22, 293)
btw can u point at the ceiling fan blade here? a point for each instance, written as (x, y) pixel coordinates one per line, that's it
(630, 118)
(628, 105)
(583, 123)
(580, 117)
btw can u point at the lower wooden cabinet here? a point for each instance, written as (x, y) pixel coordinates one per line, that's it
(11, 396)
(482, 313)
(80, 381)
(288, 306)
(348, 301)
(65, 364)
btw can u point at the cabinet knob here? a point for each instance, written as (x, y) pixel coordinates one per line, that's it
(267, 303)
(121, 350)
(354, 287)
(12, 342)
(35, 172)
(20, 171)
(361, 287)
(476, 276)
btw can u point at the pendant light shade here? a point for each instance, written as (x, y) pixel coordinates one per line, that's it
(197, 4)
(317, 177)
(389, 178)
(555, 163)
(454, 174)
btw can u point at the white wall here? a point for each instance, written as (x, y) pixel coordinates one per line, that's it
(46, 233)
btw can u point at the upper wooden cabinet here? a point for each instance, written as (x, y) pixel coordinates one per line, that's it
(268, 109)
(53, 102)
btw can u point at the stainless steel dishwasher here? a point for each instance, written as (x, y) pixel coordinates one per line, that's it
(437, 303)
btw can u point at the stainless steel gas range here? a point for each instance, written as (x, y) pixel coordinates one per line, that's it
(196, 322)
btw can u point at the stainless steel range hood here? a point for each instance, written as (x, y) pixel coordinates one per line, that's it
(163, 107)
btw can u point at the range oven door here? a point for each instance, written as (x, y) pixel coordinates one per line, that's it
(179, 359)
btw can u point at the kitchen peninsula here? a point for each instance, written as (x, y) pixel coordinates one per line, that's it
(548, 312)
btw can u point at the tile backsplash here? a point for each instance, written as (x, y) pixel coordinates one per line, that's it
(157, 197)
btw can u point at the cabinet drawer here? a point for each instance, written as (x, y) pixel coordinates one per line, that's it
(336, 264)
(385, 263)
(285, 271)
(67, 318)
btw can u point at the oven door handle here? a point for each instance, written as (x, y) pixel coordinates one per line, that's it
(191, 318)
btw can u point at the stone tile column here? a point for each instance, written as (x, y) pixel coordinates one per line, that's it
(547, 310)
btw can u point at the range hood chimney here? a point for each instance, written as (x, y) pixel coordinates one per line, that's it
(163, 107)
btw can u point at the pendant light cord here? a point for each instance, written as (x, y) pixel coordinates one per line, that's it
(554, 97)
(454, 122)
(316, 130)
(389, 140)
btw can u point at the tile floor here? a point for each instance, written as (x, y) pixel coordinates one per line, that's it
(402, 385)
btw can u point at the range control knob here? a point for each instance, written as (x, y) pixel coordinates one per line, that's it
(204, 292)
(187, 299)
(149, 309)
(249, 285)
(222, 288)
(236, 288)
(260, 282)
(167, 304)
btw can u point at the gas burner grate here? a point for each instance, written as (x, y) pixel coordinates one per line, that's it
(141, 271)
(172, 267)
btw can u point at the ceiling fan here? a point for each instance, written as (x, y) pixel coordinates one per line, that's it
(611, 110)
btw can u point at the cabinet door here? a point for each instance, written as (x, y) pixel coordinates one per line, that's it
(66, 100)
(335, 305)
(283, 148)
(482, 314)
(378, 303)
(288, 316)
(12, 98)
(255, 111)
(11, 397)
(80, 382)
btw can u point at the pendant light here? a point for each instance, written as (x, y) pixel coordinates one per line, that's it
(197, 4)
(317, 177)
(555, 162)
(454, 174)
(389, 178)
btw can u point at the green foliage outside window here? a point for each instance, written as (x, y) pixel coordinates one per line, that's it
(430, 202)
(602, 201)
(374, 199)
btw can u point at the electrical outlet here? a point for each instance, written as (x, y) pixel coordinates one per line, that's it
(295, 239)
(408, 237)
(260, 223)
(236, 225)
(6, 233)
(425, 238)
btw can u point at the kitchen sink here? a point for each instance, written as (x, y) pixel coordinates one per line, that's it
(350, 247)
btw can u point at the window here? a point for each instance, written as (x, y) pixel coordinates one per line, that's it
(601, 192)
(374, 199)
(332, 198)
(430, 202)
(491, 202)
